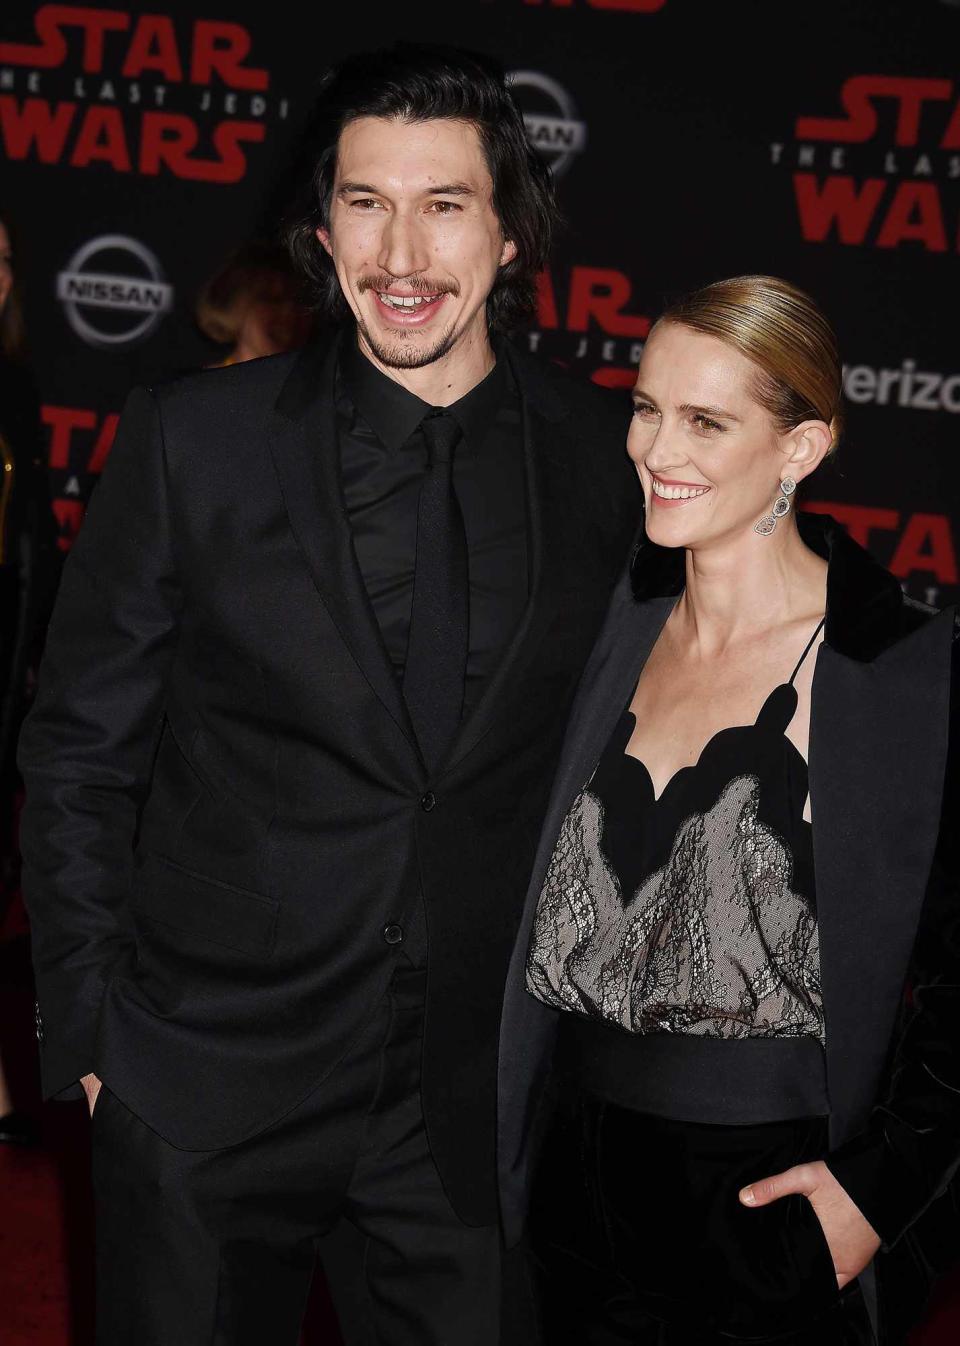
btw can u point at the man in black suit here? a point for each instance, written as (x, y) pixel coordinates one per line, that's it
(302, 701)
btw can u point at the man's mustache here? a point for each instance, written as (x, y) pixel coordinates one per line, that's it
(409, 284)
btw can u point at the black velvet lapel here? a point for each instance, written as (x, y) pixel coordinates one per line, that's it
(866, 610)
(306, 456)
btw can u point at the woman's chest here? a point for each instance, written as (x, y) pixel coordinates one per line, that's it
(681, 707)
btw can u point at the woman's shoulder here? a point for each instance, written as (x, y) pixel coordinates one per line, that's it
(915, 615)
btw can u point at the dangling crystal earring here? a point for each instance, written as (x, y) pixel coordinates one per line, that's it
(781, 506)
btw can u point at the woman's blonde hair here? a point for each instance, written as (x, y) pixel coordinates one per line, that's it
(786, 336)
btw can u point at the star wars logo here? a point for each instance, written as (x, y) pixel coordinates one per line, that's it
(79, 440)
(135, 93)
(882, 174)
(584, 320)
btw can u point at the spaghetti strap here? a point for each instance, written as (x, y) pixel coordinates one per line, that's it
(809, 647)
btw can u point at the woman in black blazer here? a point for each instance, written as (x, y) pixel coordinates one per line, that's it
(744, 865)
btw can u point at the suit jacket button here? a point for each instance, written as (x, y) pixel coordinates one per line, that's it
(428, 801)
(393, 934)
(39, 1021)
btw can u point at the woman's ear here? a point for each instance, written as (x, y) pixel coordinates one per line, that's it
(806, 446)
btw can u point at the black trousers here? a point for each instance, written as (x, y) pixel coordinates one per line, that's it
(639, 1237)
(217, 1248)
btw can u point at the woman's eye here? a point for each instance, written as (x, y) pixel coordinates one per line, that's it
(706, 423)
(644, 411)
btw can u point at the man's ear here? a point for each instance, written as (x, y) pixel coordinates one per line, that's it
(324, 236)
(508, 252)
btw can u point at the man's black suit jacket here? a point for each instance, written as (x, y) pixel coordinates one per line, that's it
(227, 814)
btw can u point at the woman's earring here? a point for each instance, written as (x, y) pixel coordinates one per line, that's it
(781, 506)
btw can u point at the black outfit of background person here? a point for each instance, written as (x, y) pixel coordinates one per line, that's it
(219, 894)
(883, 778)
(28, 572)
(29, 567)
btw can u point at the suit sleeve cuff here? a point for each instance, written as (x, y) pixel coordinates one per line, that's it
(879, 1182)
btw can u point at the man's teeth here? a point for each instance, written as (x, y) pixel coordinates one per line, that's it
(407, 301)
(677, 492)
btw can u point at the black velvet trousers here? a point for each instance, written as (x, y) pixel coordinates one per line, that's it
(217, 1248)
(639, 1237)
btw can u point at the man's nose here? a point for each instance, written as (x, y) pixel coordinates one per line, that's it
(403, 249)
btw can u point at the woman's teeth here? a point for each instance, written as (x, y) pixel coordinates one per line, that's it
(406, 301)
(677, 492)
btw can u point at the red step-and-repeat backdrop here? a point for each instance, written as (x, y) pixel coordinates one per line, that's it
(691, 139)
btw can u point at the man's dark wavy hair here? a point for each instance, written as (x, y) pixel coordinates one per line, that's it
(416, 83)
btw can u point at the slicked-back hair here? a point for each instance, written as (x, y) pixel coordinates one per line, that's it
(785, 334)
(417, 83)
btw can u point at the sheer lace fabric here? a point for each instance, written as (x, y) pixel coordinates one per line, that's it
(715, 942)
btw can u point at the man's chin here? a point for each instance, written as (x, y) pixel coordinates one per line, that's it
(411, 350)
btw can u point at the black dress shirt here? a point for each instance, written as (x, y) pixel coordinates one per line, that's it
(383, 456)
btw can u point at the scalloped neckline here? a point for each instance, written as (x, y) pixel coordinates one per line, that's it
(728, 729)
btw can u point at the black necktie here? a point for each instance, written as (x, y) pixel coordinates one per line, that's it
(436, 664)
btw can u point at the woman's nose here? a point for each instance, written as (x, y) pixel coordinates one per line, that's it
(664, 452)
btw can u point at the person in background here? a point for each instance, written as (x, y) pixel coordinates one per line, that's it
(252, 305)
(28, 571)
(751, 849)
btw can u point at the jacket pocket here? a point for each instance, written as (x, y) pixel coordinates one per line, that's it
(198, 905)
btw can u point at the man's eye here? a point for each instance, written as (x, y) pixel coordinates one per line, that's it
(366, 203)
(444, 207)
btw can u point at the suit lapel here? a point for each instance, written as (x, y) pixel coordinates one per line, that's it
(305, 452)
(540, 524)
(878, 744)
(623, 647)
(553, 458)
(629, 633)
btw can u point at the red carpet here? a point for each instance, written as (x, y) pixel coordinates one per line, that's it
(45, 1225)
(46, 1253)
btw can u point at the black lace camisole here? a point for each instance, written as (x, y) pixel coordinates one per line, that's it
(689, 921)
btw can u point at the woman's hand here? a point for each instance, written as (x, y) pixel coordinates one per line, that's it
(852, 1240)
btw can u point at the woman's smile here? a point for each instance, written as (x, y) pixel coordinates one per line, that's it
(667, 492)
